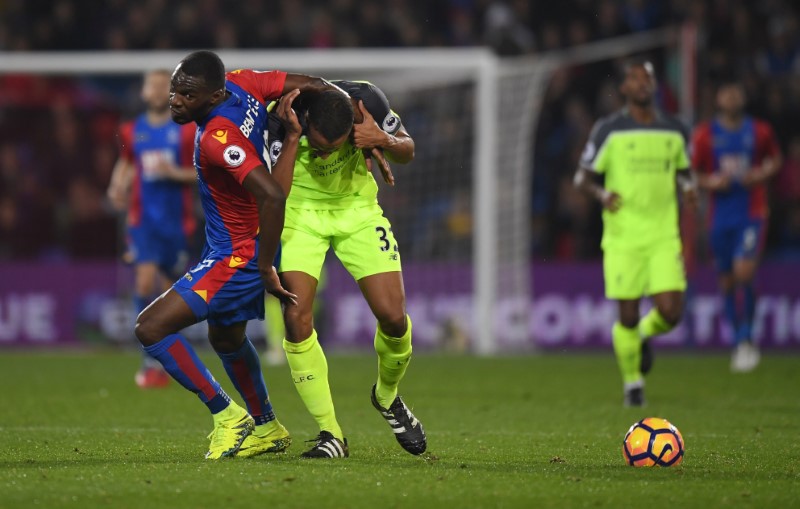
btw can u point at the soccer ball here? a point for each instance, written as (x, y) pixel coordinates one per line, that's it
(653, 442)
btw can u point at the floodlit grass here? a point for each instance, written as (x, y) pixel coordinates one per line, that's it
(540, 431)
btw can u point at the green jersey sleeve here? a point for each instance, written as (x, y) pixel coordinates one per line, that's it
(597, 153)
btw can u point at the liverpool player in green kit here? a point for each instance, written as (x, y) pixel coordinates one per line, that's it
(333, 204)
(633, 163)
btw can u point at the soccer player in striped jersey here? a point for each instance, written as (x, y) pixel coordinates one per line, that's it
(244, 209)
(736, 156)
(631, 165)
(153, 179)
(333, 205)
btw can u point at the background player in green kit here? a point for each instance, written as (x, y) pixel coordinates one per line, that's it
(631, 164)
(333, 204)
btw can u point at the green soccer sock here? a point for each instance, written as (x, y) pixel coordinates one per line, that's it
(628, 348)
(393, 357)
(653, 324)
(310, 374)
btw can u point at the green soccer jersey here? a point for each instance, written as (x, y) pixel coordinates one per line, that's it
(639, 163)
(341, 180)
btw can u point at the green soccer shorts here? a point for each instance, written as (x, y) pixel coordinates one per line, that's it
(361, 238)
(631, 274)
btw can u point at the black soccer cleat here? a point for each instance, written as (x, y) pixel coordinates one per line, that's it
(647, 357)
(407, 429)
(634, 397)
(327, 446)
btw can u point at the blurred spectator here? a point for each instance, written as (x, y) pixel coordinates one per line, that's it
(92, 231)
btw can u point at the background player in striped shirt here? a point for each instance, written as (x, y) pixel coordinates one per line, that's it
(333, 204)
(736, 155)
(244, 209)
(631, 165)
(153, 179)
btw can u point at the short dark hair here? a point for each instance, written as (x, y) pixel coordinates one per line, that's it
(206, 65)
(331, 113)
(630, 63)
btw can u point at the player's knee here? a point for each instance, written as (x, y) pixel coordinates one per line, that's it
(146, 330)
(394, 324)
(672, 314)
(145, 289)
(225, 344)
(299, 324)
(629, 321)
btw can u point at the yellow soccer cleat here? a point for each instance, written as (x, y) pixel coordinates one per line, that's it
(231, 427)
(273, 439)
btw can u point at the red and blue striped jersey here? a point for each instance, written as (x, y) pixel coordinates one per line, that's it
(229, 144)
(716, 149)
(158, 203)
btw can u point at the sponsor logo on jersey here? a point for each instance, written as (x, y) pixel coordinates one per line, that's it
(236, 261)
(390, 122)
(234, 155)
(249, 116)
(221, 135)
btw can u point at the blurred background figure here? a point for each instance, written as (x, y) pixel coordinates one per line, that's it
(635, 163)
(153, 180)
(737, 155)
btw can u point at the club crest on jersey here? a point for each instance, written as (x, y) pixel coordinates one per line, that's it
(221, 135)
(234, 155)
(390, 122)
(275, 150)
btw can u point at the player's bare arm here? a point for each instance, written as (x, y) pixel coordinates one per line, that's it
(367, 134)
(283, 170)
(118, 188)
(687, 183)
(308, 84)
(768, 169)
(180, 174)
(271, 202)
(714, 182)
(586, 181)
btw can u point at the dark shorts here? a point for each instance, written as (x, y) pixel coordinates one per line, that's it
(169, 252)
(744, 241)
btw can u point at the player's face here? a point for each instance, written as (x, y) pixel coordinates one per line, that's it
(190, 100)
(639, 86)
(321, 146)
(155, 91)
(730, 99)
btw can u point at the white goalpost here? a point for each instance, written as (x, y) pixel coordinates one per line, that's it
(461, 210)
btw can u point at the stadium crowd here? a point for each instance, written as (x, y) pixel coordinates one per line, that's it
(57, 138)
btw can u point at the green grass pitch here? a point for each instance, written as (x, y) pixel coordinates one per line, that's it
(541, 431)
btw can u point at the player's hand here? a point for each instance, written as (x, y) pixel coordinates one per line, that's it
(287, 114)
(690, 197)
(368, 133)
(165, 169)
(719, 182)
(611, 201)
(273, 286)
(383, 164)
(752, 177)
